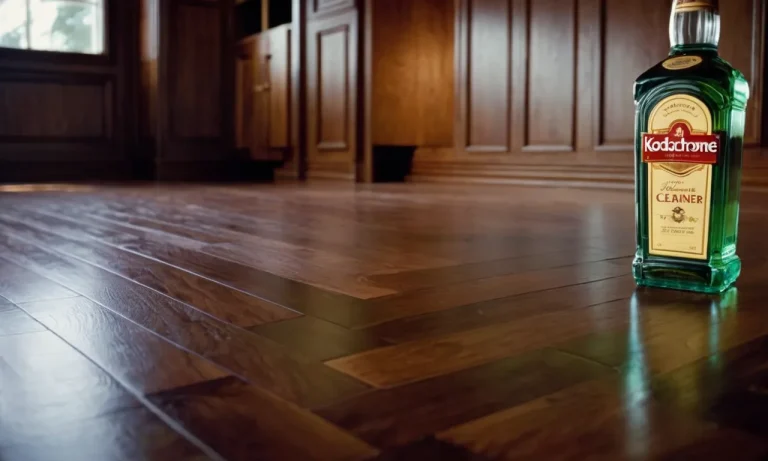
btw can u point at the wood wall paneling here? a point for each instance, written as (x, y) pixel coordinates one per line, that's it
(629, 48)
(412, 72)
(34, 109)
(486, 67)
(742, 44)
(545, 86)
(149, 36)
(551, 96)
(332, 70)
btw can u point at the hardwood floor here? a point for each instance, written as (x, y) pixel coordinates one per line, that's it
(385, 322)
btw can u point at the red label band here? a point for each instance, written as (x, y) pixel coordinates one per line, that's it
(679, 145)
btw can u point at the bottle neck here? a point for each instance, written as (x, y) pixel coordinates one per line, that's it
(694, 31)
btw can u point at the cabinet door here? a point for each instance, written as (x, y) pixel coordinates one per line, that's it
(280, 87)
(244, 68)
(261, 99)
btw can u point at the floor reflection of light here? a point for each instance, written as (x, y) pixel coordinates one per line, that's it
(636, 390)
(719, 309)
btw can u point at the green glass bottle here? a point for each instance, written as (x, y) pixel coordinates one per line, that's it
(689, 129)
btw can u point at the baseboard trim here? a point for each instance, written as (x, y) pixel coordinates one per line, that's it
(39, 172)
(611, 177)
(578, 176)
(217, 171)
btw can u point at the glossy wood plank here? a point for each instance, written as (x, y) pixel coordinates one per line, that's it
(728, 388)
(429, 449)
(243, 423)
(317, 339)
(334, 307)
(602, 419)
(57, 405)
(459, 294)
(407, 413)
(666, 335)
(421, 359)
(13, 321)
(298, 264)
(19, 285)
(225, 303)
(238, 241)
(501, 310)
(177, 381)
(427, 278)
(244, 353)
(132, 354)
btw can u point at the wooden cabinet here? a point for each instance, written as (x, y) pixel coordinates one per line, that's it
(263, 100)
(412, 72)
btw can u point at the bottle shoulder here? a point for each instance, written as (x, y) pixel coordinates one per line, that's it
(705, 75)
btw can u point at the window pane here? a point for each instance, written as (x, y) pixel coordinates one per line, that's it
(67, 25)
(13, 24)
(75, 26)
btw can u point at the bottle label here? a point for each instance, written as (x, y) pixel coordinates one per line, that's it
(680, 149)
(685, 6)
(682, 62)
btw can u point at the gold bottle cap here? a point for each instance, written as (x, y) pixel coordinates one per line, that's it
(686, 6)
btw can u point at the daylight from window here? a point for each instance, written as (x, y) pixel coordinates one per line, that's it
(75, 26)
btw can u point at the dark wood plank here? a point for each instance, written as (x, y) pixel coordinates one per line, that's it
(317, 339)
(602, 420)
(429, 449)
(19, 285)
(134, 355)
(244, 423)
(407, 413)
(663, 335)
(214, 223)
(334, 307)
(304, 265)
(287, 259)
(224, 412)
(421, 359)
(497, 311)
(729, 387)
(225, 303)
(13, 321)
(246, 354)
(460, 294)
(427, 278)
(57, 405)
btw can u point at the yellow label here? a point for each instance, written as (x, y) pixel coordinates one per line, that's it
(684, 6)
(679, 193)
(682, 62)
